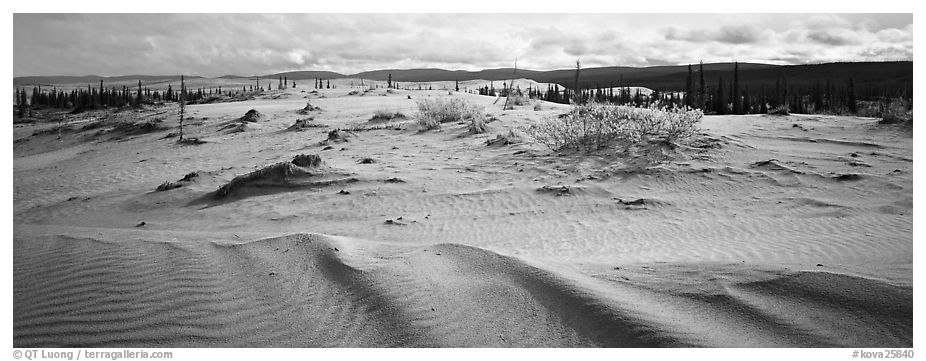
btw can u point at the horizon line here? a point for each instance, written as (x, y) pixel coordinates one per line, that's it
(455, 70)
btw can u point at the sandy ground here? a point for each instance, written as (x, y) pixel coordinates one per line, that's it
(788, 231)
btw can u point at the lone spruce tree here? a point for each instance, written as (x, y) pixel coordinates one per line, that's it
(138, 97)
(576, 83)
(702, 89)
(688, 88)
(737, 104)
(182, 102)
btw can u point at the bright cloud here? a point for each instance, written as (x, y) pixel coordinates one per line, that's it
(246, 44)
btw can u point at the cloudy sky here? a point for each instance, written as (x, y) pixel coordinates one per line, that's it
(247, 44)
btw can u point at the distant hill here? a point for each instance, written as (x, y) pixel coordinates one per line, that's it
(558, 76)
(94, 79)
(864, 74)
(303, 75)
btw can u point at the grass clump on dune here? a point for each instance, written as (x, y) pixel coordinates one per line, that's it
(383, 115)
(434, 112)
(780, 110)
(594, 126)
(277, 173)
(896, 112)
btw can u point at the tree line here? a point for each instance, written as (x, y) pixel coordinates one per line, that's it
(729, 96)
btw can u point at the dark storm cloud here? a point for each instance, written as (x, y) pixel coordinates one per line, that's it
(731, 34)
(247, 44)
(832, 37)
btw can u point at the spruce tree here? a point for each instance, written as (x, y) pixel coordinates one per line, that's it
(576, 82)
(721, 106)
(688, 88)
(182, 102)
(138, 99)
(702, 90)
(853, 107)
(21, 101)
(737, 105)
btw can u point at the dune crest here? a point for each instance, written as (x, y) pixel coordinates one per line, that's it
(308, 290)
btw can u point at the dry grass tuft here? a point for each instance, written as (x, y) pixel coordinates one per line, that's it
(504, 139)
(383, 115)
(780, 110)
(180, 183)
(278, 173)
(307, 160)
(252, 116)
(896, 113)
(434, 112)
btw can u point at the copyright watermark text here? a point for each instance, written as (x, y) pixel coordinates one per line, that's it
(882, 354)
(77, 354)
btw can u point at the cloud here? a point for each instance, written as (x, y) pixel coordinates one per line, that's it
(730, 34)
(837, 37)
(248, 44)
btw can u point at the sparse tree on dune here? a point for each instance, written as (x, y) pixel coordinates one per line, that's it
(21, 102)
(853, 107)
(737, 104)
(688, 88)
(576, 82)
(182, 102)
(721, 106)
(139, 97)
(702, 90)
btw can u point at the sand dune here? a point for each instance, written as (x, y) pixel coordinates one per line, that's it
(763, 234)
(305, 290)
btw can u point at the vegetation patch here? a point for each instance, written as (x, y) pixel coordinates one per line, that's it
(434, 112)
(180, 183)
(594, 126)
(252, 116)
(383, 115)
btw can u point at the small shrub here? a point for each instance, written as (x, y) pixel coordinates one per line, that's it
(505, 139)
(307, 160)
(516, 100)
(191, 141)
(896, 112)
(477, 125)
(166, 186)
(434, 112)
(252, 116)
(309, 108)
(382, 115)
(780, 110)
(537, 107)
(594, 126)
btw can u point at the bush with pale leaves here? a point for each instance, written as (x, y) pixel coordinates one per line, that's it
(595, 126)
(434, 112)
